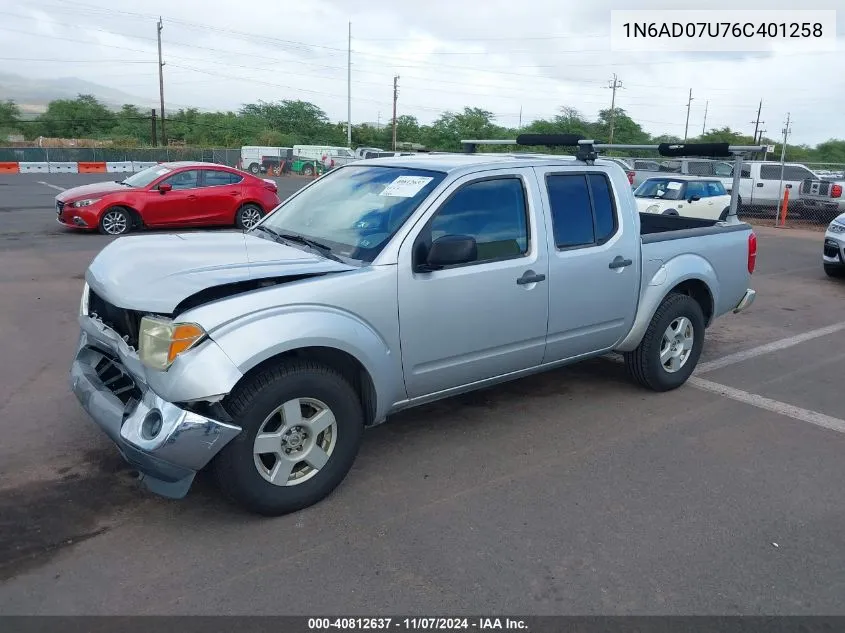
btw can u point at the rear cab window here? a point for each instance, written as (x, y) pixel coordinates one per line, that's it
(583, 209)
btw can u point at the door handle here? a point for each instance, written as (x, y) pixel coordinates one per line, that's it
(619, 262)
(759, 184)
(530, 277)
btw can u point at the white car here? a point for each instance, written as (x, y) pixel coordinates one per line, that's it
(833, 257)
(689, 196)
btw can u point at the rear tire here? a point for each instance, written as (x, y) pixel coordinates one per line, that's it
(670, 212)
(659, 362)
(115, 221)
(837, 272)
(724, 215)
(277, 403)
(255, 169)
(308, 170)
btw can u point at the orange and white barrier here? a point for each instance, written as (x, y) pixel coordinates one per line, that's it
(84, 167)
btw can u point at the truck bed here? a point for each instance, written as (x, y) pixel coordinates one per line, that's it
(719, 250)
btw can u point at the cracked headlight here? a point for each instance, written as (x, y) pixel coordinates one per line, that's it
(160, 341)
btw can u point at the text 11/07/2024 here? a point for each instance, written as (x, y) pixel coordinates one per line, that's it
(419, 624)
(712, 30)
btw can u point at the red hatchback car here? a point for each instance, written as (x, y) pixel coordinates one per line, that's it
(169, 195)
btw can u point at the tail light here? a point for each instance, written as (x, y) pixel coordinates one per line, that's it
(752, 253)
(835, 191)
(269, 184)
(630, 178)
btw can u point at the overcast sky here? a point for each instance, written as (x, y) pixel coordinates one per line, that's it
(501, 55)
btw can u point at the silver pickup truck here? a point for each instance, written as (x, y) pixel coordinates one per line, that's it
(383, 285)
(822, 199)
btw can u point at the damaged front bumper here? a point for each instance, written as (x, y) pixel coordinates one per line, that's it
(166, 443)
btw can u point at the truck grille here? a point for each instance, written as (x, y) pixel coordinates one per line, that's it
(124, 322)
(113, 376)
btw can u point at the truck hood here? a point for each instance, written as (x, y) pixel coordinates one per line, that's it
(94, 189)
(154, 273)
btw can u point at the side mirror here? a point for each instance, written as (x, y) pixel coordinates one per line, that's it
(694, 198)
(164, 187)
(450, 250)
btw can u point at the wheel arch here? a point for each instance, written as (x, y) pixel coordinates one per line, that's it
(345, 363)
(333, 336)
(134, 214)
(692, 275)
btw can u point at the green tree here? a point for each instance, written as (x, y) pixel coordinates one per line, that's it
(9, 115)
(450, 128)
(133, 124)
(304, 121)
(76, 118)
(625, 129)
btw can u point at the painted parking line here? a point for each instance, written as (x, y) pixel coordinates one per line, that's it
(756, 400)
(775, 406)
(47, 184)
(768, 348)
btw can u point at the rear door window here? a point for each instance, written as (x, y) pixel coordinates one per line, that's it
(583, 209)
(216, 178)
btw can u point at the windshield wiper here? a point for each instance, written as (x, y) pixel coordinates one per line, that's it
(261, 227)
(324, 249)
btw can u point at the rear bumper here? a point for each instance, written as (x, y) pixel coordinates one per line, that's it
(166, 443)
(746, 301)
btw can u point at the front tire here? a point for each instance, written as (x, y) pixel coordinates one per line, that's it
(254, 169)
(248, 216)
(724, 215)
(115, 221)
(671, 346)
(308, 170)
(837, 272)
(302, 426)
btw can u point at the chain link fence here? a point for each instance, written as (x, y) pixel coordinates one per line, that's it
(816, 191)
(224, 156)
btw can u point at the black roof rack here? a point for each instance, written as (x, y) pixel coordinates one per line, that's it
(588, 148)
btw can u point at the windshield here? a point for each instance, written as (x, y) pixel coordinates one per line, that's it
(145, 177)
(662, 188)
(354, 210)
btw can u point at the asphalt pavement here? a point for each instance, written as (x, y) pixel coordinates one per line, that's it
(572, 492)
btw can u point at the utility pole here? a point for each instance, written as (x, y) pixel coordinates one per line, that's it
(614, 84)
(786, 131)
(153, 127)
(349, 89)
(161, 83)
(520, 118)
(758, 121)
(704, 125)
(395, 97)
(689, 105)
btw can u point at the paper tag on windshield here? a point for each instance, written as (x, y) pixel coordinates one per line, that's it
(406, 186)
(673, 185)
